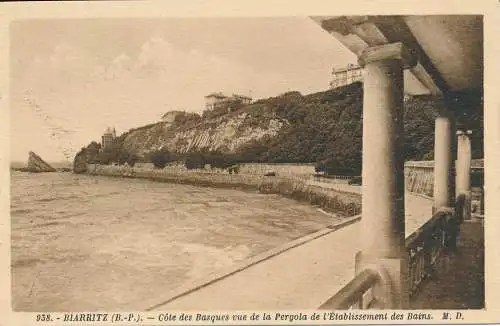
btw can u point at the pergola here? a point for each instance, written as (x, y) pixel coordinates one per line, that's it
(440, 55)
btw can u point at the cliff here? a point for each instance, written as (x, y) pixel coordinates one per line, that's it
(324, 128)
(226, 133)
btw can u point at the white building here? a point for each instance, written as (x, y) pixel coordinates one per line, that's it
(347, 75)
(216, 100)
(170, 116)
(108, 137)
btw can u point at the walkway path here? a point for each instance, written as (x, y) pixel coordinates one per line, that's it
(418, 208)
(301, 278)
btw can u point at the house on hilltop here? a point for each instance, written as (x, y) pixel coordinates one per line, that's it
(219, 100)
(170, 116)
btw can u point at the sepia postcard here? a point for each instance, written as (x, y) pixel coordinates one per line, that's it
(265, 162)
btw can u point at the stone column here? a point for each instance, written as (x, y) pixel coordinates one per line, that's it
(463, 166)
(383, 221)
(444, 160)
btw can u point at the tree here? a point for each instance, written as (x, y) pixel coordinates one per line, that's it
(220, 160)
(92, 152)
(124, 156)
(194, 161)
(132, 159)
(160, 158)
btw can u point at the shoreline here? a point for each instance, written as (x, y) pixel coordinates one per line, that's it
(340, 203)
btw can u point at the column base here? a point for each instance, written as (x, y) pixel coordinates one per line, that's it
(392, 292)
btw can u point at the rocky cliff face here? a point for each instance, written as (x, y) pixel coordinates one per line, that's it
(36, 164)
(226, 133)
(80, 163)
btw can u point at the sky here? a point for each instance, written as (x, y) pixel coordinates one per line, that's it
(72, 78)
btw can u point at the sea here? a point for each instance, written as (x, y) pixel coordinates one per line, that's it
(90, 243)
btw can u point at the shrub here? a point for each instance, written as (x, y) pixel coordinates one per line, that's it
(160, 158)
(194, 161)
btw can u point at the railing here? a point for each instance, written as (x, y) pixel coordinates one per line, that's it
(425, 245)
(332, 177)
(424, 248)
(354, 294)
(477, 199)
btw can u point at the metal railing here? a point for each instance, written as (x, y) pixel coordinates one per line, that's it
(425, 245)
(424, 248)
(354, 294)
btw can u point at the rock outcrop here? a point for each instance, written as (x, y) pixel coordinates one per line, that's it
(36, 164)
(80, 162)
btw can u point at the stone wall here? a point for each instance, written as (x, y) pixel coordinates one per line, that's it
(285, 170)
(337, 201)
(177, 174)
(419, 176)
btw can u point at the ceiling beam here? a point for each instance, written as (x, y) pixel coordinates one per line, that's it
(396, 30)
(359, 32)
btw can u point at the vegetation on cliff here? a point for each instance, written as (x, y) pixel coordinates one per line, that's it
(93, 153)
(323, 128)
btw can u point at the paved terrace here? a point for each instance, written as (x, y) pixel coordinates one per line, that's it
(300, 275)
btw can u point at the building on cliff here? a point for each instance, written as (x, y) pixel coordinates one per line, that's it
(349, 75)
(346, 75)
(219, 100)
(170, 116)
(108, 138)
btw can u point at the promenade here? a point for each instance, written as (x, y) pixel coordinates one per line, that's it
(418, 209)
(302, 276)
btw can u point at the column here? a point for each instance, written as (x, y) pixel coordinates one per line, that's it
(383, 224)
(463, 166)
(444, 160)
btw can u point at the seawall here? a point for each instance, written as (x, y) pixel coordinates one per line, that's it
(281, 169)
(335, 201)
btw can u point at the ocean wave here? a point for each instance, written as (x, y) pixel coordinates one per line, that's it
(27, 262)
(21, 211)
(49, 199)
(46, 224)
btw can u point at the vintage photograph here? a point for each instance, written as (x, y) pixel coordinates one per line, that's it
(247, 163)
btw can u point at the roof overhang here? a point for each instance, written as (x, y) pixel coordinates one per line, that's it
(449, 48)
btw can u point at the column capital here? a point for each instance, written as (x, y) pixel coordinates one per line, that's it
(392, 51)
(464, 132)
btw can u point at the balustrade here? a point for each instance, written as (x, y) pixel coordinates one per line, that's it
(424, 247)
(354, 294)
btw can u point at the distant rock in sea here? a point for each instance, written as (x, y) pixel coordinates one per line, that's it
(36, 164)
